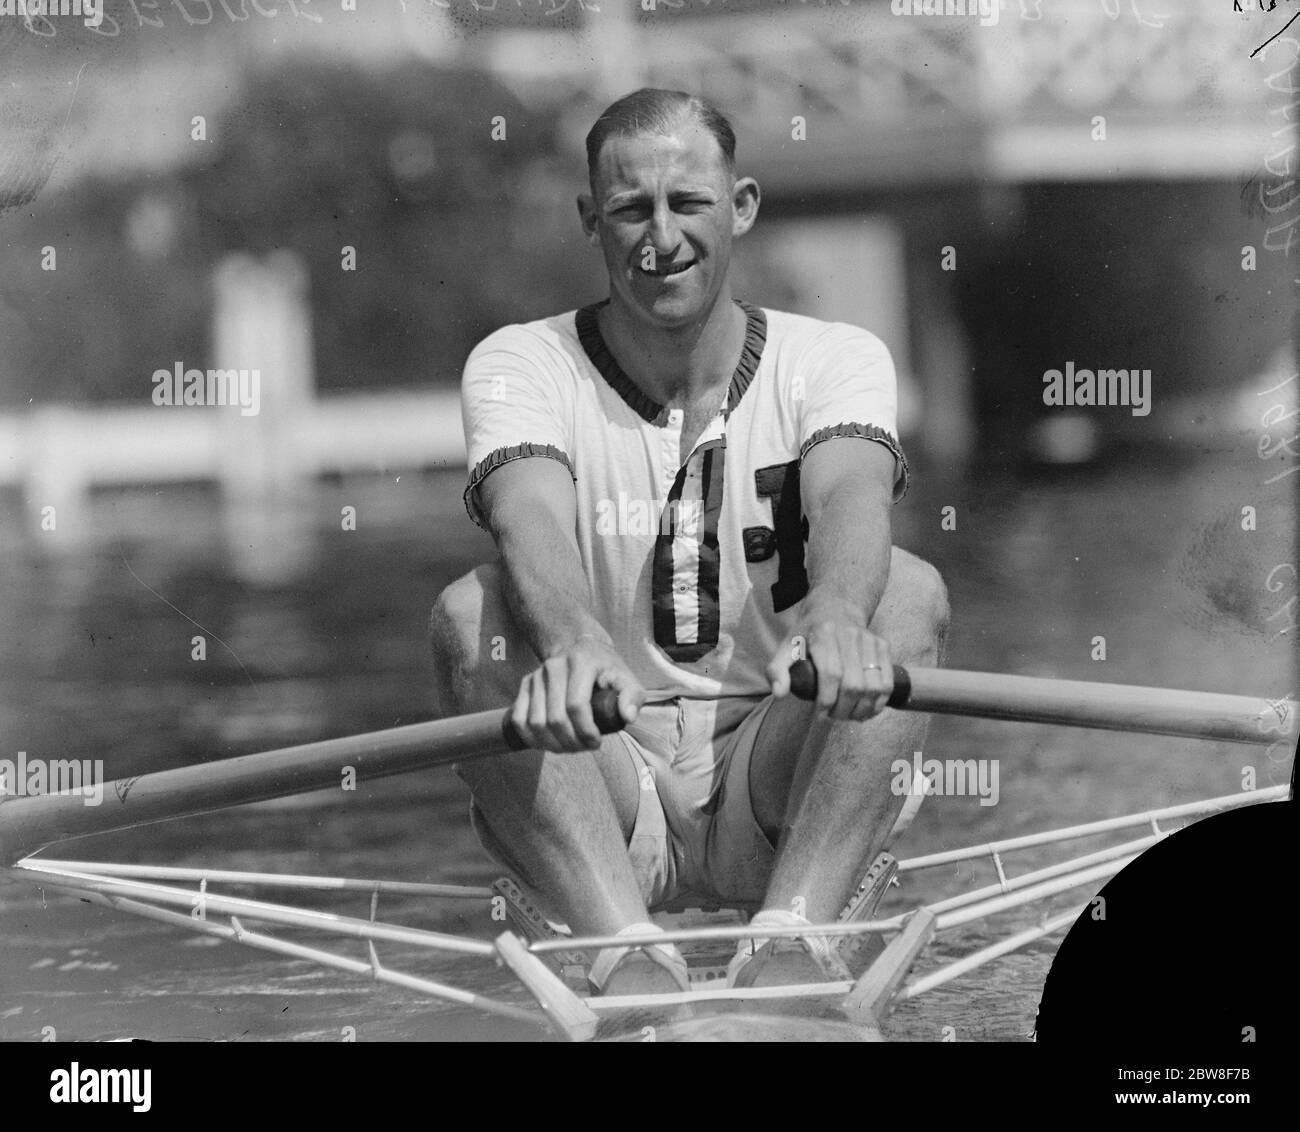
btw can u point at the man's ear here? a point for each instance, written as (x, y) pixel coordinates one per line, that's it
(588, 217)
(744, 205)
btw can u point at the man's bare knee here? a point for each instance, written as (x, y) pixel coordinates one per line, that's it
(457, 617)
(458, 612)
(926, 585)
(472, 641)
(913, 614)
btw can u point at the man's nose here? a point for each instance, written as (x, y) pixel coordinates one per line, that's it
(664, 235)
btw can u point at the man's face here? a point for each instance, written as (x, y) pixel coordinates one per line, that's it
(664, 213)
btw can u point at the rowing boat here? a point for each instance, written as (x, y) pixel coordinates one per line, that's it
(549, 964)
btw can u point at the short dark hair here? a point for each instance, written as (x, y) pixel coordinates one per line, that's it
(653, 111)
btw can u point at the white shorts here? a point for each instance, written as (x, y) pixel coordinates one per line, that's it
(695, 838)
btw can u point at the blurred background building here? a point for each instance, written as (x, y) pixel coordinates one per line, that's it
(1077, 181)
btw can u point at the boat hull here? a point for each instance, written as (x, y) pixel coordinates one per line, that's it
(754, 1027)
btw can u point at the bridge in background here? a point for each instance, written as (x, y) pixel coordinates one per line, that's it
(893, 100)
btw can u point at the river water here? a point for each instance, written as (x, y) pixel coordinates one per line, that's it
(314, 631)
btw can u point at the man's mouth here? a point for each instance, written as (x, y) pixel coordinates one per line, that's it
(669, 269)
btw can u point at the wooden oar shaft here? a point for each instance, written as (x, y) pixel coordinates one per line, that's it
(27, 824)
(1109, 707)
(1080, 703)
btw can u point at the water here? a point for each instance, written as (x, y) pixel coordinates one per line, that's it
(314, 631)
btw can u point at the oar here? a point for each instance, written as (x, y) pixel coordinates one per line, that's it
(1080, 703)
(30, 823)
(27, 824)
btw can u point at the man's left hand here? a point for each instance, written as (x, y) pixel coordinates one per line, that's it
(855, 675)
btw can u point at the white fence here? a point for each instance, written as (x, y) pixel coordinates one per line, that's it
(57, 454)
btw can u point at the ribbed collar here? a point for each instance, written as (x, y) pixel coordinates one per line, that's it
(649, 410)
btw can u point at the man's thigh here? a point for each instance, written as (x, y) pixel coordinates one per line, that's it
(473, 629)
(772, 763)
(899, 619)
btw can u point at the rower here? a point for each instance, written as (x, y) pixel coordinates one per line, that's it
(767, 442)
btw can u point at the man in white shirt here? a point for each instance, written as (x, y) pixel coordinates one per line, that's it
(687, 493)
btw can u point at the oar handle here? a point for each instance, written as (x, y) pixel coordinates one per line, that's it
(604, 709)
(803, 683)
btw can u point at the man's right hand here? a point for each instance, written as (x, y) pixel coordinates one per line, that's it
(552, 711)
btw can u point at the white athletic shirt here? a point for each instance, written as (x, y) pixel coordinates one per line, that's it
(694, 569)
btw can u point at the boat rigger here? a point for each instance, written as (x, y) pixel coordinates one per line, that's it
(549, 963)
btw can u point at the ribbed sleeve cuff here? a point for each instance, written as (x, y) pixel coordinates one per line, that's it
(499, 456)
(864, 432)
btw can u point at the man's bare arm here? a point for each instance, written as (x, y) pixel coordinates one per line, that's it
(531, 510)
(847, 489)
